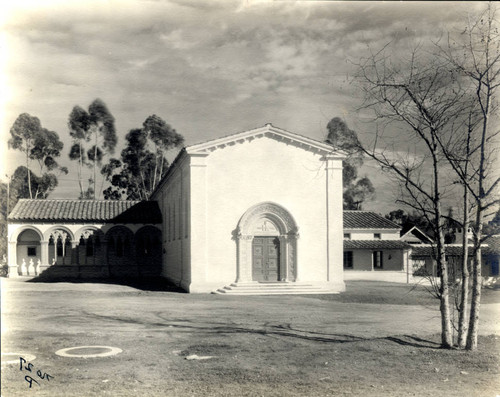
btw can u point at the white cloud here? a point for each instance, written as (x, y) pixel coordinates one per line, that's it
(211, 67)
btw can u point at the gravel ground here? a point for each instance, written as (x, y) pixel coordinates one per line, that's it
(277, 346)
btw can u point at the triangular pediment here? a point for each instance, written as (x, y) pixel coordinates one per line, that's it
(271, 132)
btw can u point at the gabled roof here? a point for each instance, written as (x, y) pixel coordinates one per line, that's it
(97, 211)
(367, 220)
(376, 244)
(269, 131)
(417, 233)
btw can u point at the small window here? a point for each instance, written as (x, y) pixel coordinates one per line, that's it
(347, 259)
(347, 236)
(31, 251)
(59, 247)
(377, 236)
(378, 260)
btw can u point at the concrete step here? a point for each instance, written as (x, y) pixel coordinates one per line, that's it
(273, 289)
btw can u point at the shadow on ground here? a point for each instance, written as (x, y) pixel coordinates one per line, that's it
(144, 283)
(285, 330)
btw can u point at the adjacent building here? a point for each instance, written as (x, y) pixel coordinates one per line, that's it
(373, 249)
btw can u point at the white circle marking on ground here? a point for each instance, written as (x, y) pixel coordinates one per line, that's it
(27, 357)
(67, 352)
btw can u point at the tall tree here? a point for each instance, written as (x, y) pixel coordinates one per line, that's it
(356, 191)
(44, 184)
(39, 144)
(94, 137)
(47, 147)
(8, 192)
(163, 137)
(143, 161)
(417, 93)
(23, 134)
(405, 219)
(475, 53)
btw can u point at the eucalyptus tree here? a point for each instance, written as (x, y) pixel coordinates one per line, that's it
(94, 137)
(355, 190)
(163, 138)
(143, 161)
(41, 145)
(23, 134)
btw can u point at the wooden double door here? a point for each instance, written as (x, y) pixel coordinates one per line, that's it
(266, 259)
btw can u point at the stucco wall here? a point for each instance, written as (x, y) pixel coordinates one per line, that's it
(173, 199)
(369, 234)
(265, 170)
(393, 260)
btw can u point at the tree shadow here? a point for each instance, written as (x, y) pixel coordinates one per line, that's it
(413, 341)
(266, 329)
(140, 283)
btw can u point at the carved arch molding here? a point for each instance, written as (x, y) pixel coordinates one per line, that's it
(285, 228)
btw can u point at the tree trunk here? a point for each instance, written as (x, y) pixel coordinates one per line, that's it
(161, 168)
(476, 286)
(464, 298)
(28, 168)
(156, 166)
(446, 333)
(444, 307)
(95, 160)
(80, 166)
(476, 274)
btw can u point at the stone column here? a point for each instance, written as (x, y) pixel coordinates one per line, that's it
(334, 220)
(54, 260)
(74, 246)
(239, 247)
(246, 241)
(44, 253)
(12, 259)
(284, 265)
(292, 255)
(406, 265)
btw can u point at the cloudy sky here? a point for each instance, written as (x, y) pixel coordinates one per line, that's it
(209, 68)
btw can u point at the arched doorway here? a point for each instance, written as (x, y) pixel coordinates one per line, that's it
(28, 252)
(267, 245)
(148, 251)
(120, 255)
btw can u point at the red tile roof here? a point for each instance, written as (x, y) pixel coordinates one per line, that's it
(450, 250)
(367, 220)
(376, 244)
(98, 211)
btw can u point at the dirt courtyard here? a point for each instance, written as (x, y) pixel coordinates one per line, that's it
(377, 339)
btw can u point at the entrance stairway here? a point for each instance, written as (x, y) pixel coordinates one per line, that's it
(279, 288)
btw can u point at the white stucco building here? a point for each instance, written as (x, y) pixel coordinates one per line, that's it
(251, 213)
(373, 249)
(257, 211)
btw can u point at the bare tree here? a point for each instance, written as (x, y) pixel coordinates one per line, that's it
(475, 54)
(419, 94)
